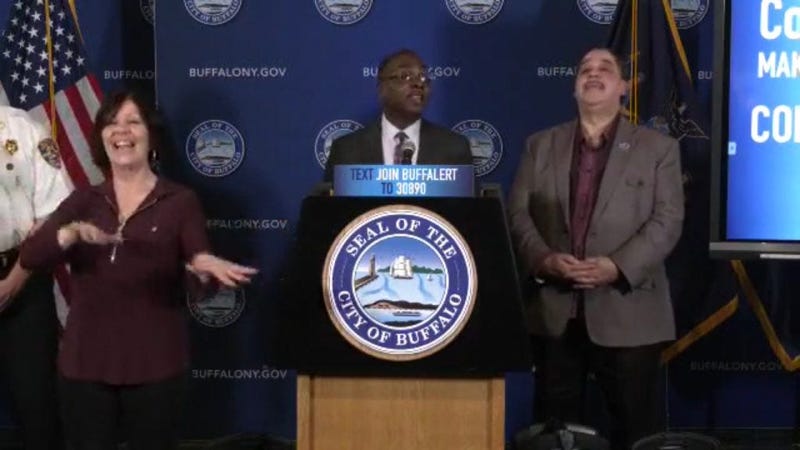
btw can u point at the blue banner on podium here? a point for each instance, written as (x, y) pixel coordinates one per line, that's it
(360, 180)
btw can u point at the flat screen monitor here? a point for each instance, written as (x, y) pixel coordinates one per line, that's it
(755, 198)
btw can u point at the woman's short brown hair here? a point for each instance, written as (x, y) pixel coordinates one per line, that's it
(105, 115)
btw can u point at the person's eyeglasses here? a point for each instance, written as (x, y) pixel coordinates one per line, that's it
(408, 77)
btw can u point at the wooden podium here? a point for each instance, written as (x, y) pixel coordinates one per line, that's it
(358, 413)
(452, 399)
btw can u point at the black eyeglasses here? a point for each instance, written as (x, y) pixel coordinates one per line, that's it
(408, 77)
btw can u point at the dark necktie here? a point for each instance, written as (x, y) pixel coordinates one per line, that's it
(399, 156)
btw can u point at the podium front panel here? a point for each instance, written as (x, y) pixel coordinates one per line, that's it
(492, 341)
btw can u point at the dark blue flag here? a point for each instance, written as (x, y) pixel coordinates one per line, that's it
(645, 35)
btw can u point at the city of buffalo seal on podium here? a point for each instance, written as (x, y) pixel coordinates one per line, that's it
(399, 282)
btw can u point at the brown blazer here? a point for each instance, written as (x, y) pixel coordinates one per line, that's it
(636, 222)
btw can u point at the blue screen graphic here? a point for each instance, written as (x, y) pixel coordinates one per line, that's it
(763, 191)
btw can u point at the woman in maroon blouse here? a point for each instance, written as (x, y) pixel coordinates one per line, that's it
(129, 242)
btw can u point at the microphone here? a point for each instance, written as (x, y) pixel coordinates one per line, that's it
(407, 149)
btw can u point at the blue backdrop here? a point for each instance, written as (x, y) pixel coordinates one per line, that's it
(254, 91)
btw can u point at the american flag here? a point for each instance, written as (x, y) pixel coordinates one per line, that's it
(41, 50)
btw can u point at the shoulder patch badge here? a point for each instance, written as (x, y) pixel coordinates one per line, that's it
(49, 151)
(11, 146)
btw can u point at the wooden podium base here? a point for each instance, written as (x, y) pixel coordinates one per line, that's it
(355, 413)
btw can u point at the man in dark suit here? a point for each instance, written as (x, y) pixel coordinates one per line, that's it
(595, 208)
(403, 89)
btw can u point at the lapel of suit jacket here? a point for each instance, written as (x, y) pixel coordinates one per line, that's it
(563, 145)
(425, 142)
(373, 144)
(620, 154)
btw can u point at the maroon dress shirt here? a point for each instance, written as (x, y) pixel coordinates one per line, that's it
(126, 323)
(588, 165)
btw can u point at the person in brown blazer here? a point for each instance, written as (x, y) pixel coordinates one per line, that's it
(595, 208)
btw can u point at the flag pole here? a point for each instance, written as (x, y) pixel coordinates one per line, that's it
(50, 78)
(74, 12)
(634, 78)
(676, 38)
